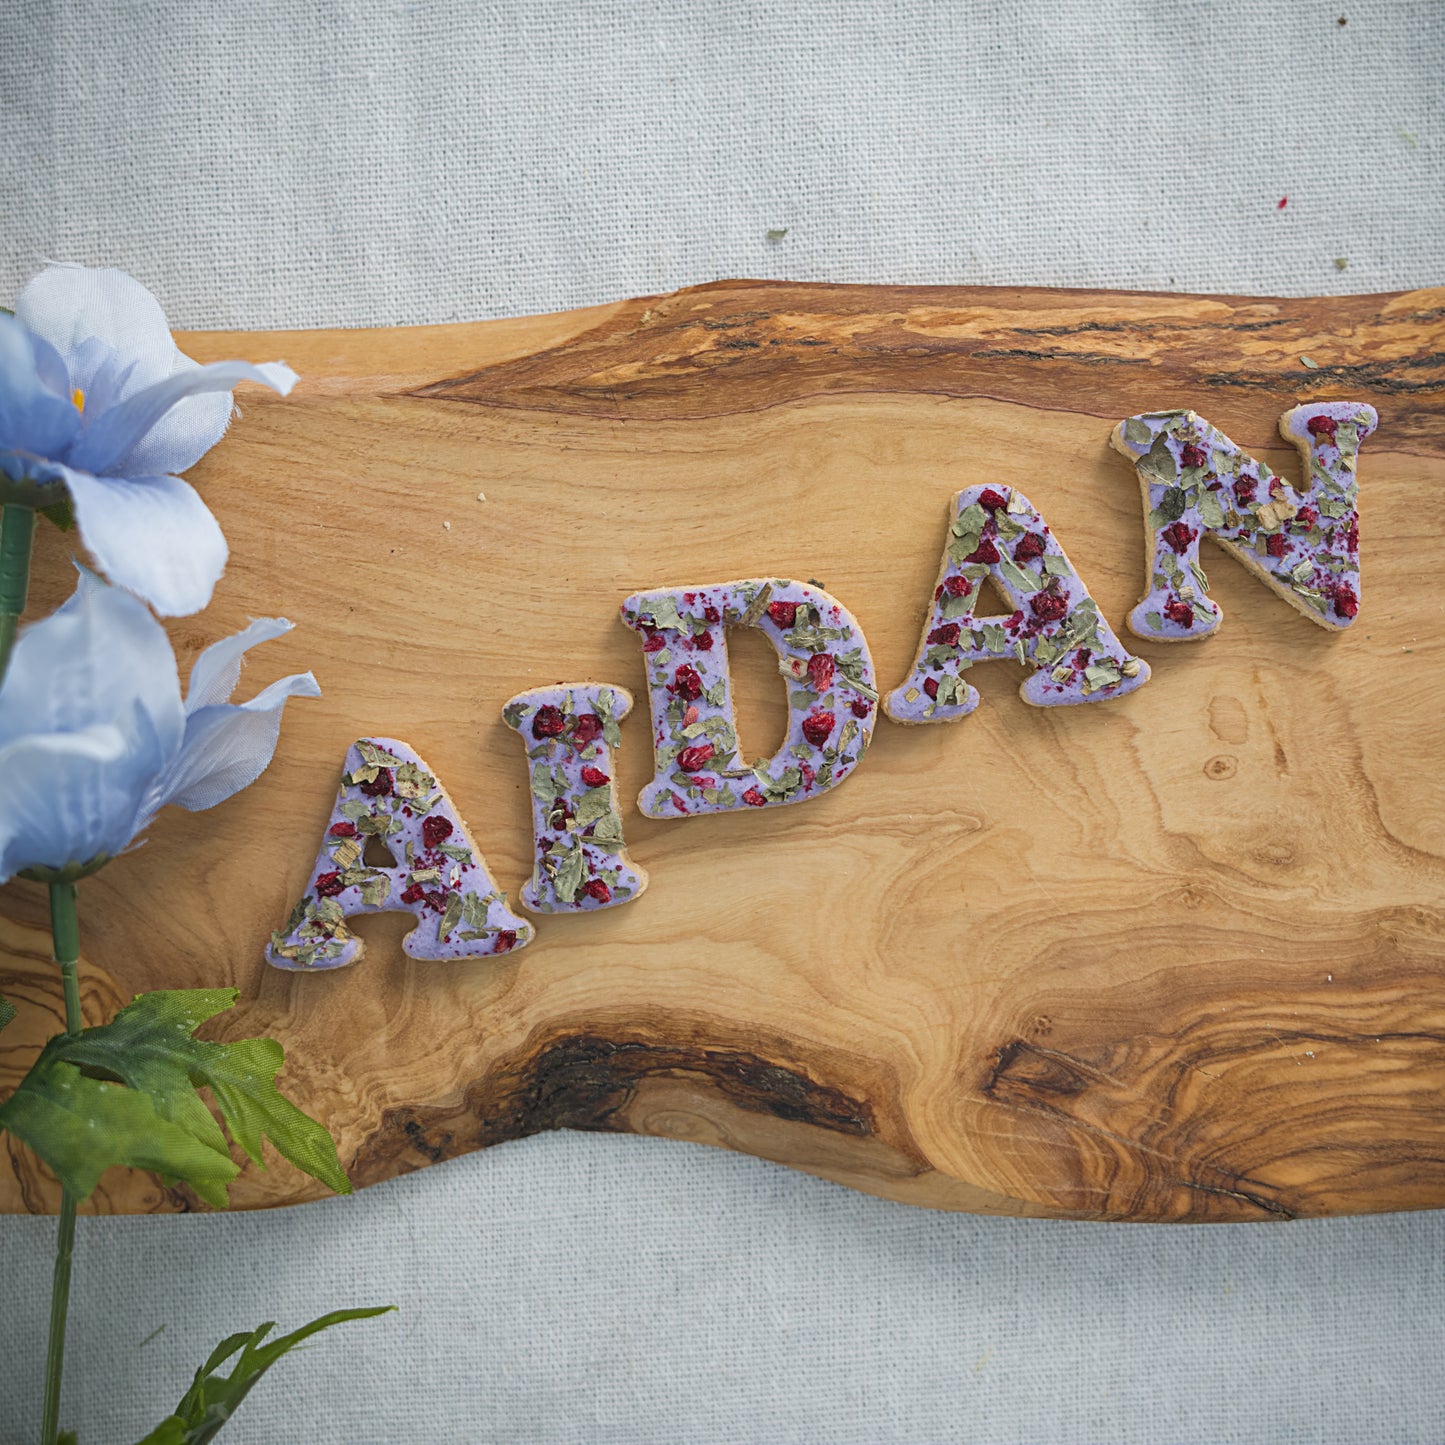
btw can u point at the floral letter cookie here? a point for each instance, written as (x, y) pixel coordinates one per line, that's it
(438, 873)
(1055, 627)
(570, 733)
(1304, 546)
(829, 673)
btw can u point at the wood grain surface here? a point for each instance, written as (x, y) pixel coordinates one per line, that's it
(1177, 957)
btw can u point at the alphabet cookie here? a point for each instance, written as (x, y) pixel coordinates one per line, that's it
(570, 733)
(1304, 546)
(823, 657)
(1055, 626)
(437, 872)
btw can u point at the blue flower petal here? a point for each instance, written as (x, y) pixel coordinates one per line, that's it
(51, 369)
(90, 662)
(97, 670)
(153, 535)
(65, 798)
(218, 669)
(108, 443)
(228, 747)
(72, 305)
(34, 420)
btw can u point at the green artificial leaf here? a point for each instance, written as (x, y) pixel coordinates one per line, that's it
(62, 513)
(213, 1397)
(72, 1111)
(7, 1011)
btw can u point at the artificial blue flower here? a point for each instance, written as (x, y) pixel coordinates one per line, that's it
(97, 401)
(94, 737)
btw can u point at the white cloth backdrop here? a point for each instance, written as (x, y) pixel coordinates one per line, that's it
(329, 163)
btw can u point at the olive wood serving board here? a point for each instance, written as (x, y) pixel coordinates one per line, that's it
(1174, 957)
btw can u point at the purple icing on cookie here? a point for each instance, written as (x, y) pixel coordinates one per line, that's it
(1055, 627)
(1305, 545)
(570, 732)
(438, 873)
(824, 661)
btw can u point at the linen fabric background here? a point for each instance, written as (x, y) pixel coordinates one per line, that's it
(330, 164)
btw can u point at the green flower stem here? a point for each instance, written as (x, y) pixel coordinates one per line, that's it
(59, 1308)
(17, 532)
(65, 936)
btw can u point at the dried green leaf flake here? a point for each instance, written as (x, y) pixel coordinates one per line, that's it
(1020, 578)
(663, 611)
(376, 757)
(594, 804)
(451, 915)
(1157, 465)
(568, 869)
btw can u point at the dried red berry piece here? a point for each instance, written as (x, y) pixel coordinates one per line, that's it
(817, 727)
(1049, 606)
(595, 777)
(783, 613)
(435, 830)
(945, 635)
(860, 707)
(587, 727)
(1275, 544)
(1191, 454)
(991, 499)
(686, 682)
(415, 893)
(820, 671)
(506, 940)
(1178, 536)
(1028, 548)
(984, 552)
(957, 586)
(596, 888)
(559, 814)
(930, 686)
(342, 830)
(703, 642)
(690, 760)
(328, 885)
(711, 614)
(549, 722)
(1307, 517)
(1179, 612)
(379, 786)
(754, 799)
(1244, 490)
(1323, 426)
(1347, 604)
(653, 642)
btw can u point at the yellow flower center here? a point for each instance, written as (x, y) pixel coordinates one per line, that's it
(78, 397)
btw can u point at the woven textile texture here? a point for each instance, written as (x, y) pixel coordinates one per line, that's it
(327, 163)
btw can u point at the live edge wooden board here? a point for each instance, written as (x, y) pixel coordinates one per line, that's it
(1174, 957)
